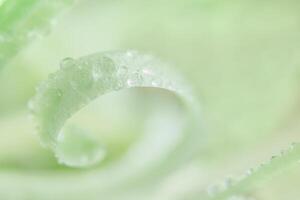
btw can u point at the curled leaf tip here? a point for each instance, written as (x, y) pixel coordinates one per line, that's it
(79, 81)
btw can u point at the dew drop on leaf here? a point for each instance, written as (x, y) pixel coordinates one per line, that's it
(250, 171)
(228, 182)
(130, 82)
(108, 67)
(129, 53)
(123, 70)
(67, 62)
(148, 72)
(155, 83)
(96, 73)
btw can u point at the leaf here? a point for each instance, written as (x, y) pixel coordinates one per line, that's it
(80, 81)
(23, 21)
(253, 178)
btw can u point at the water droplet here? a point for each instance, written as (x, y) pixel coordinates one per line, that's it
(156, 82)
(108, 66)
(96, 73)
(292, 146)
(67, 62)
(148, 72)
(129, 53)
(123, 70)
(228, 182)
(130, 82)
(250, 171)
(273, 157)
(135, 79)
(118, 86)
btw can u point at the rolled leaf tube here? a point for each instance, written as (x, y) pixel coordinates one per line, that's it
(80, 81)
(23, 21)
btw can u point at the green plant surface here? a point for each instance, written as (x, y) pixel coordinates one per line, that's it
(120, 124)
(80, 81)
(242, 187)
(23, 21)
(63, 94)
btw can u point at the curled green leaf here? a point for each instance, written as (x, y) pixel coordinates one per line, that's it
(79, 81)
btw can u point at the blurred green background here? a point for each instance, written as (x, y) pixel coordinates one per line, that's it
(241, 57)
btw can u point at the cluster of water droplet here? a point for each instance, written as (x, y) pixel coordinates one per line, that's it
(220, 187)
(81, 80)
(139, 70)
(230, 182)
